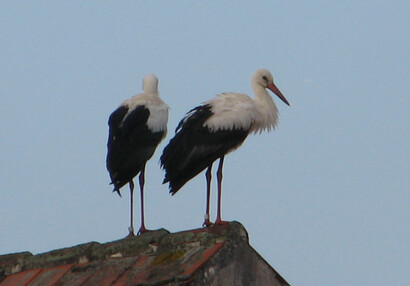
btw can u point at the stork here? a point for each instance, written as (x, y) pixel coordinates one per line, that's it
(218, 126)
(136, 128)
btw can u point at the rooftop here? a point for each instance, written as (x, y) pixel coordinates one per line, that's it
(218, 255)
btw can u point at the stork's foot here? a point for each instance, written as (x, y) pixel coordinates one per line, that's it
(131, 232)
(143, 230)
(219, 222)
(207, 223)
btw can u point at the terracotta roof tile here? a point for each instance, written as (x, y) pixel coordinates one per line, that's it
(21, 279)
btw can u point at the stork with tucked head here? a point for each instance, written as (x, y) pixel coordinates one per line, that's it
(136, 128)
(215, 128)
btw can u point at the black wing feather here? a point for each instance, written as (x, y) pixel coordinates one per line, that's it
(195, 148)
(130, 144)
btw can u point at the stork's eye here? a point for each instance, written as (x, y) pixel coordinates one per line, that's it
(265, 79)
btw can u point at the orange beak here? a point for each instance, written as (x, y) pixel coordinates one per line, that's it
(276, 91)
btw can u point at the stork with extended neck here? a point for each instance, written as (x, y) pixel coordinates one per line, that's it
(215, 128)
(135, 129)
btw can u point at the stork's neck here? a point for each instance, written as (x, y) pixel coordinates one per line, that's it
(150, 89)
(268, 112)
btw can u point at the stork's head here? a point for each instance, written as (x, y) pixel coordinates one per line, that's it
(264, 78)
(150, 84)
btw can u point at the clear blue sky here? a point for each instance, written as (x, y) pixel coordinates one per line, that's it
(325, 198)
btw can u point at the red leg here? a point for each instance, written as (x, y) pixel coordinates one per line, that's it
(131, 228)
(208, 176)
(219, 177)
(142, 182)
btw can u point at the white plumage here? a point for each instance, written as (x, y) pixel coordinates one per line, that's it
(231, 110)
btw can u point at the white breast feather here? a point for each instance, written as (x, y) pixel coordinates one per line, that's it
(268, 115)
